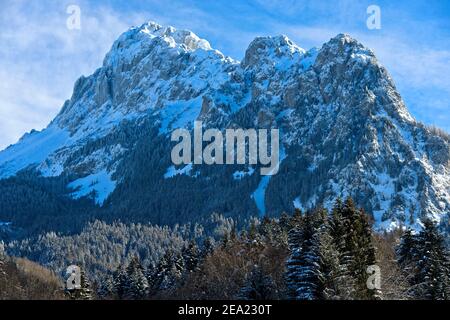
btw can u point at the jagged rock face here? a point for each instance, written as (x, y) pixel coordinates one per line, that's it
(344, 131)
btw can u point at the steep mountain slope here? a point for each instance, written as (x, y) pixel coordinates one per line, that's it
(344, 131)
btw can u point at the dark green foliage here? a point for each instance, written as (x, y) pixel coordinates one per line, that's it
(424, 260)
(334, 279)
(293, 265)
(120, 284)
(128, 283)
(191, 257)
(259, 286)
(358, 251)
(207, 247)
(103, 247)
(167, 273)
(330, 256)
(136, 285)
(105, 289)
(36, 205)
(406, 251)
(315, 255)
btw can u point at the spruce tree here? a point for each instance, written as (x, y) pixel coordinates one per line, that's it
(120, 283)
(106, 288)
(338, 233)
(285, 222)
(294, 262)
(365, 256)
(358, 252)
(302, 277)
(337, 226)
(335, 283)
(433, 277)
(253, 233)
(168, 273)
(258, 286)
(407, 259)
(136, 287)
(406, 251)
(151, 274)
(207, 247)
(191, 257)
(297, 218)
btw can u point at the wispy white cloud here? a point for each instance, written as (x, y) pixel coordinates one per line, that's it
(40, 59)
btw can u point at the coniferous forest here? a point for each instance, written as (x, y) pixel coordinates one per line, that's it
(314, 255)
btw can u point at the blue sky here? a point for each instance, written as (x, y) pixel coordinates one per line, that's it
(40, 59)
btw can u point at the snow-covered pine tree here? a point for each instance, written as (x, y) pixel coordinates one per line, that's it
(335, 283)
(151, 274)
(105, 288)
(297, 218)
(258, 286)
(176, 271)
(137, 285)
(339, 232)
(85, 292)
(406, 250)
(120, 282)
(350, 217)
(253, 234)
(269, 230)
(358, 252)
(285, 222)
(407, 259)
(337, 226)
(191, 257)
(433, 278)
(365, 256)
(168, 272)
(309, 285)
(293, 263)
(207, 247)
(302, 277)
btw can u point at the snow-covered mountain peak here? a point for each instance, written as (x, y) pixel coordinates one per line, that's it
(269, 49)
(343, 49)
(346, 130)
(136, 43)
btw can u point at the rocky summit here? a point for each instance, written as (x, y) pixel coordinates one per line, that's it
(344, 131)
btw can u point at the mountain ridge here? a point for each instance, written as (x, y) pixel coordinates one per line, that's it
(345, 131)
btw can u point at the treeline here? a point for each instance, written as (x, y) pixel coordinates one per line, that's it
(156, 281)
(317, 255)
(101, 248)
(305, 256)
